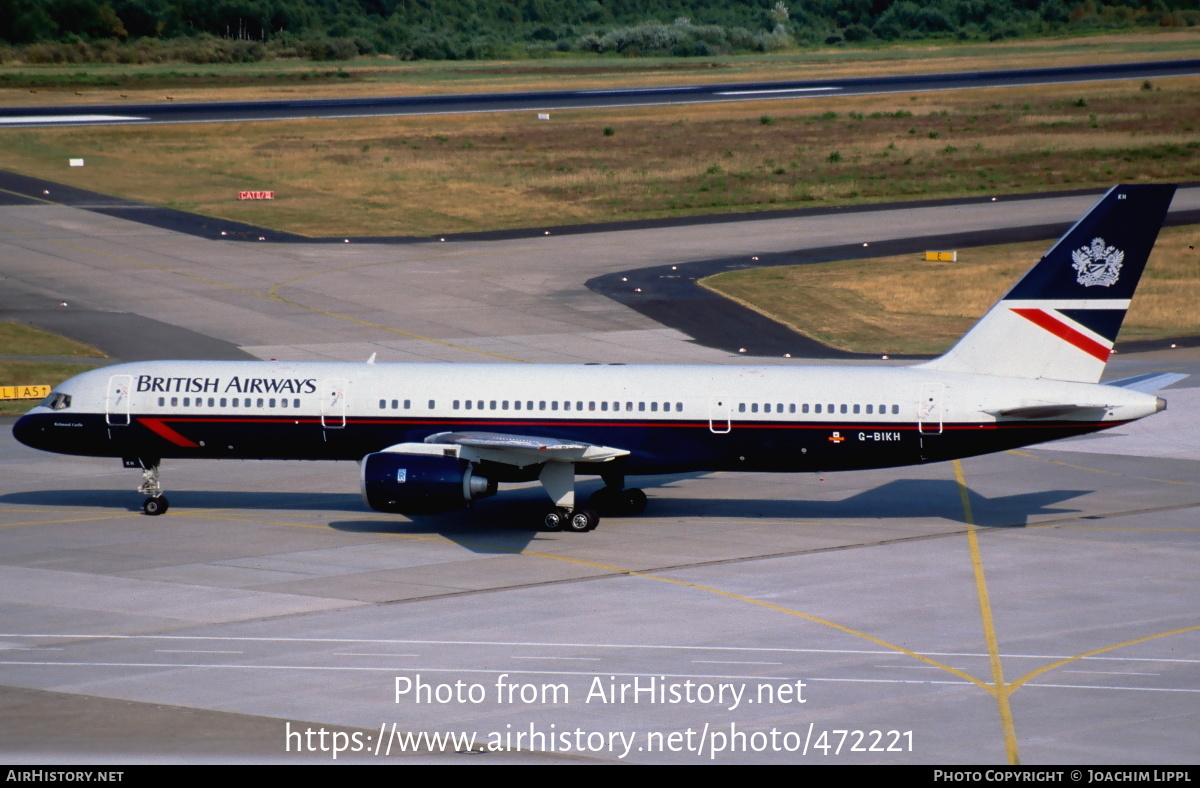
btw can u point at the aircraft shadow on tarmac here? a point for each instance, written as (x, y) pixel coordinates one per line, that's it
(510, 521)
(513, 517)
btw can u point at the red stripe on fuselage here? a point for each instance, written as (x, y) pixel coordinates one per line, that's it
(163, 431)
(1044, 319)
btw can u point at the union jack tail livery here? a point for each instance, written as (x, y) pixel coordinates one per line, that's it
(1061, 320)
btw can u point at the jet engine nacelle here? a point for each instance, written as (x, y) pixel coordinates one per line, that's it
(420, 483)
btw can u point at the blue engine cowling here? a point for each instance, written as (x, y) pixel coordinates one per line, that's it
(420, 483)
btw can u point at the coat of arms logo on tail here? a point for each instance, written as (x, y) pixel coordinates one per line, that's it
(1097, 264)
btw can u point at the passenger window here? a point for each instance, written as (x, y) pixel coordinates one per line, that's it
(260, 402)
(541, 404)
(804, 408)
(174, 401)
(395, 404)
(869, 409)
(591, 406)
(283, 402)
(817, 407)
(654, 407)
(224, 402)
(432, 404)
(554, 405)
(296, 403)
(161, 400)
(517, 404)
(754, 407)
(407, 404)
(272, 402)
(504, 405)
(468, 404)
(628, 406)
(604, 406)
(895, 409)
(492, 405)
(642, 407)
(741, 407)
(382, 404)
(454, 404)
(856, 409)
(186, 401)
(567, 405)
(843, 407)
(679, 407)
(792, 408)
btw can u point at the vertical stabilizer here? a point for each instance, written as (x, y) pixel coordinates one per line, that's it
(1061, 319)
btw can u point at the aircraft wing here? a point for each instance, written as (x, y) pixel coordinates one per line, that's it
(522, 450)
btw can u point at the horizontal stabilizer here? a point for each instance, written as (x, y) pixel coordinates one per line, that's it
(1050, 411)
(1149, 382)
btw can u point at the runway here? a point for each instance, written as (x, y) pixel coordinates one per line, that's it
(211, 112)
(1033, 605)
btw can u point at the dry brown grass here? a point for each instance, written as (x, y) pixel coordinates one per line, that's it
(903, 304)
(452, 173)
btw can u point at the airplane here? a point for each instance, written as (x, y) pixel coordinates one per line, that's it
(434, 437)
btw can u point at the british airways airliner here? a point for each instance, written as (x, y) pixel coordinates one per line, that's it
(435, 437)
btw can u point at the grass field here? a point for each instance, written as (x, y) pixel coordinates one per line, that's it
(33, 373)
(903, 304)
(17, 339)
(453, 173)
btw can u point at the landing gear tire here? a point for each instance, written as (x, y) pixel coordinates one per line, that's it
(155, 506)
(554, 520)
(581, 521)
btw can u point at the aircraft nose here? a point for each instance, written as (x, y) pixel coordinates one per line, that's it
(27, 431)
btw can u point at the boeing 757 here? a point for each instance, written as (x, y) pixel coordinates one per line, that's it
(435, 437)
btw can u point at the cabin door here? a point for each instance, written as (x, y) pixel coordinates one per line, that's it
(930, 408)
(333, 403)
(116, 402)
(718, 415)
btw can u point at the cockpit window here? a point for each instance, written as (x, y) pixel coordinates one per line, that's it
(57, 400)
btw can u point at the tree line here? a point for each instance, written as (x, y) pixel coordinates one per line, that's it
(250, 30)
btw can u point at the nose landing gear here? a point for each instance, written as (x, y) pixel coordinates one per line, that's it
(157, 503)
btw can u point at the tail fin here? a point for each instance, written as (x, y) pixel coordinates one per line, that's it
(1061, 319)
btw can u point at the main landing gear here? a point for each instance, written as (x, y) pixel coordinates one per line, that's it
(558, 479)
(157, 503)
(575, 520)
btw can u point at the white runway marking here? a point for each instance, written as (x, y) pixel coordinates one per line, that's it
(777, 90)
(50, 120)
(545, 644)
